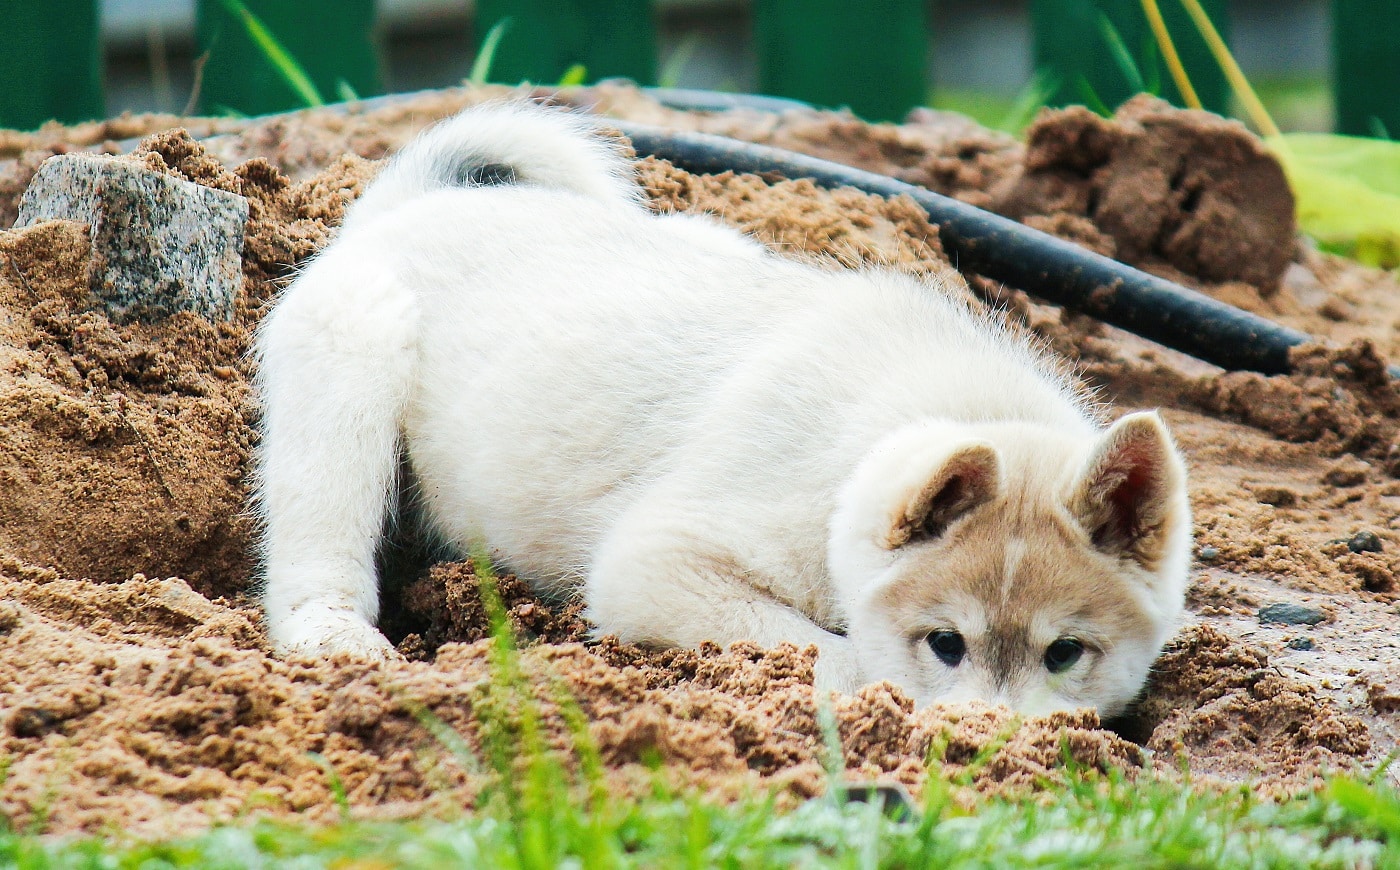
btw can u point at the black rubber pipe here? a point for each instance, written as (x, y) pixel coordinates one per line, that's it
(1017, 255)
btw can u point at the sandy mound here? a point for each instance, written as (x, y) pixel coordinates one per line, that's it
(152, 704)
(126, 446)
(1187, 188)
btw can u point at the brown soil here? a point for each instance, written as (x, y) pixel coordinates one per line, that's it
(152, 705)
(1186, 188)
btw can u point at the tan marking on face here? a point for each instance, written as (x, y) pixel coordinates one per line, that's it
(1015, 552)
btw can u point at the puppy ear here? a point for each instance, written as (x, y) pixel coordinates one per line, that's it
(1127, 492)
(963, 479)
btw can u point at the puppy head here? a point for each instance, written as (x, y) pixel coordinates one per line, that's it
(1014, 564)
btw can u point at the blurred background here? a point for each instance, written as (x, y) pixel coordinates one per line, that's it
(994, 59)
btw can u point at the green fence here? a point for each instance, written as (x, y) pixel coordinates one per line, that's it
(1366, 66)
(871, 55)
(50, 62)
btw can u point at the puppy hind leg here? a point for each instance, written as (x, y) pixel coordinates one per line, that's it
(336, 365)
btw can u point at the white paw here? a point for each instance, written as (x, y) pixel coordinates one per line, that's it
(316, 628)
(837, 667)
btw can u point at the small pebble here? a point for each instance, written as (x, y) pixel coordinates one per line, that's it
(1364, 542)
(10, 616)
(1287, 613)
(892, 797)
(1209, 554)
(1301, 643)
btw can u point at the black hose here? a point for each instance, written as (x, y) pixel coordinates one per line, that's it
(1017, 255)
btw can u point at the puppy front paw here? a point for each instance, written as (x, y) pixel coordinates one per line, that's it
(837, 668)
(318, 629)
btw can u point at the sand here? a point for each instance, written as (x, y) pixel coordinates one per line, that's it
(152, 706)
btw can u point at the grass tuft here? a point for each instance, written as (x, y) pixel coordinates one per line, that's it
(281, 59)
(1097, 820)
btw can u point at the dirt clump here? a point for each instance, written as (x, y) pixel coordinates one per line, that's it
(143, 702)
(154, 704)
(1186, 188)
(22, 152)
(1221, 704)
(446, 605)
(1340, 398)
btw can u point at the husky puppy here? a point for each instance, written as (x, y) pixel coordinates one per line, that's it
(705, 439)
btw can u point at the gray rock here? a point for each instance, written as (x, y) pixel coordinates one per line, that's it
(159, 244)
(1287, 613)
(1300, 643)
(1364, 542)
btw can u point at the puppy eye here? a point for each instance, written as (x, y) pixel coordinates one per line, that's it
(948, 646)
(1061, 655)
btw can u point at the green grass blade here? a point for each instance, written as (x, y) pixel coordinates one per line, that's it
(832, 753)
(446, 736)
(6, 825)
(671, 70)
(1121, 56)
(281, 60)
(337, 785)
(486, 56)
(574, 76)
(1373, 805)
(1170, 57)
(1238, 82)
(1153, 82)
(1031, 98)
(1091, 97)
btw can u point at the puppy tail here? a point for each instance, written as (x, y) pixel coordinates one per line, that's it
(504, 143)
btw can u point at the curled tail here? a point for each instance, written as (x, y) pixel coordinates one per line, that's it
(504, 143)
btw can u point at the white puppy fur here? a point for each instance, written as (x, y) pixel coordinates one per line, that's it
(708, 440)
